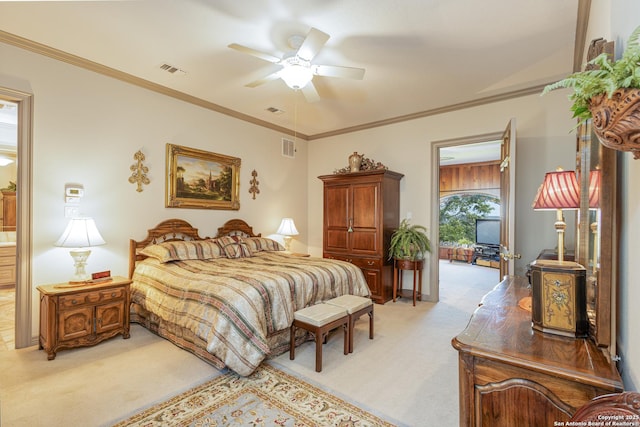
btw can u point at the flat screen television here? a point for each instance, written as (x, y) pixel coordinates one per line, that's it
(488, 231)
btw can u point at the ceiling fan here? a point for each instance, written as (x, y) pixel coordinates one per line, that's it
(297, 70)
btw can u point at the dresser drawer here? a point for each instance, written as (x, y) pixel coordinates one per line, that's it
(8, 251)
(367, 263)
(7, 261)
(91, 297)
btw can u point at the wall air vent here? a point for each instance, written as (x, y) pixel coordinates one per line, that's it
(288, 148)
(172, 70)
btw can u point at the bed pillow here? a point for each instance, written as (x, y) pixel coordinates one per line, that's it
(182, 250)
(259, 244)
(234, 247)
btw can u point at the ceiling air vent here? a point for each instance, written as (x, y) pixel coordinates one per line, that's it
(288, 148)
(275, 110)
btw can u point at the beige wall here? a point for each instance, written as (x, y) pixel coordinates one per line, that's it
(544, 143)
(86, 129)
(616, 23)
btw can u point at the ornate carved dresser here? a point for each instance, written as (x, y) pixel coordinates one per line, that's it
(511, 375)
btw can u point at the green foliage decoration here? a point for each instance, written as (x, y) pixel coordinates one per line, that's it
(607, 77)
(409, 242)
(458, 216)
(11, 187)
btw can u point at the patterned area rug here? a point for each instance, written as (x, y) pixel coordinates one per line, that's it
(267, 397)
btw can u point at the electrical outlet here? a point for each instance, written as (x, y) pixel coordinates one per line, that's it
(71, 211)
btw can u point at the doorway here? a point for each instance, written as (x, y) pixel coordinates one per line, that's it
(465, 171)
(22, 103)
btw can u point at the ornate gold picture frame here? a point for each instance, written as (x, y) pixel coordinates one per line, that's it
(201, 179)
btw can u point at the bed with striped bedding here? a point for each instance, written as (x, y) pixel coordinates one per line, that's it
(230, 300)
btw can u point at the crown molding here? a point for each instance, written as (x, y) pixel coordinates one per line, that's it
(78, 61)
(23, 43)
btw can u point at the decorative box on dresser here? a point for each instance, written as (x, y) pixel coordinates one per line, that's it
(361, 211)
(511, 375)
(78, 316)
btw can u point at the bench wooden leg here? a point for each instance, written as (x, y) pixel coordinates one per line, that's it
(319, 341)
(292, 343)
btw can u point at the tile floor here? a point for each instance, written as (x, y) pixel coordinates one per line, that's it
(7, 318)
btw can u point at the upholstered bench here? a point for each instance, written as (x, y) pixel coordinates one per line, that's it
(319, 319)
(356, 306)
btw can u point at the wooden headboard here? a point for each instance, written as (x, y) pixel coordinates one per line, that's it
(236, 227)
(167, 231)
(178, 229)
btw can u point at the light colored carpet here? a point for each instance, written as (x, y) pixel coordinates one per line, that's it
(268, 396)
(407, 373)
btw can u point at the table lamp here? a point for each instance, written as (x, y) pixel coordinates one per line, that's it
(287, 229)
(81, 233)
(558, 191)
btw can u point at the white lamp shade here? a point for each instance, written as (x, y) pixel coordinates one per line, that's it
(81, 232)
(287, 227)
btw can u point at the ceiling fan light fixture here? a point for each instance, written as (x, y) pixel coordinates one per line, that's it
(296, 73)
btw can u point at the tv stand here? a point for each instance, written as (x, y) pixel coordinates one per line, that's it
(486, 254)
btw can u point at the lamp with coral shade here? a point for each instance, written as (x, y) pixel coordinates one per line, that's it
(559, 191)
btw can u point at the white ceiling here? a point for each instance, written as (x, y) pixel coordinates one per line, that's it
(420, 56)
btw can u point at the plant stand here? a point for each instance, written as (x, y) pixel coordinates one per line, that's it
(404, 264)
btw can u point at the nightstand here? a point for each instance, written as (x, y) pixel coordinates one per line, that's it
(82, 315)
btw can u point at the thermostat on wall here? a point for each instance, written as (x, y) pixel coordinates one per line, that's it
(73, 193)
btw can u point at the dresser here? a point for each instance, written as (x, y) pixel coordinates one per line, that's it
(77, 316)
(511, 375)
(361, 212)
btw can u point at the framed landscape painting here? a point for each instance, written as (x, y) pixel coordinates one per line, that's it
(200, 179)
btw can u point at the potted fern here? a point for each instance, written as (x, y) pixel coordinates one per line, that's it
(409, 242)
(609, 93)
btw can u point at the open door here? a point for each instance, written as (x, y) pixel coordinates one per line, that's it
(507, 200)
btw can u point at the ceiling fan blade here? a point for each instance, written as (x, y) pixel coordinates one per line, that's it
(270, 77)
(312, 44)
(335, 71)
(310, 93)
(262, 55)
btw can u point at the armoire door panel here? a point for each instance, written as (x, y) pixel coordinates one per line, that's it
(336, 202)
(365, 205)
(364, 241)
(336, 240)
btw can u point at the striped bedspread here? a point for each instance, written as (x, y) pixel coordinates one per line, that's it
(236, 305)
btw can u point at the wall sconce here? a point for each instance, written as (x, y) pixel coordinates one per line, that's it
(558, 191)
(81, 232)
(287, 229)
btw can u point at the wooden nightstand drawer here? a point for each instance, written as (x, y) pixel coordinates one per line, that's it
(75, 316)
(91, 297)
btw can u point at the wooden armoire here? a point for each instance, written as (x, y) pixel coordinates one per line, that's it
(361, 212)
